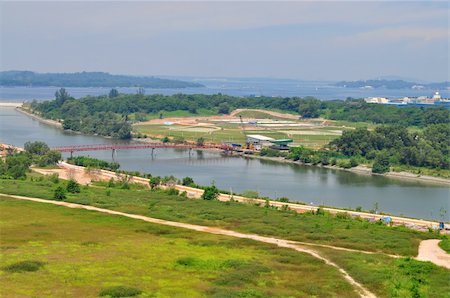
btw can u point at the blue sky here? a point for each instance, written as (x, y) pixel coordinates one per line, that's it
(328, 40)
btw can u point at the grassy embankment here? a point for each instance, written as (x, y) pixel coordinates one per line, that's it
(383, 275)
(445, 245)
(325, 229)
(83, 254)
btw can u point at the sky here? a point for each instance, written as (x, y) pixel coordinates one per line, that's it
(317, 40)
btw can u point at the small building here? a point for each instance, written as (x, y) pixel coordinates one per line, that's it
(259, 141)
(281, 144)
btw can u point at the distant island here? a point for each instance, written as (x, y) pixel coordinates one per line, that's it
(87, 79)
(392, 84)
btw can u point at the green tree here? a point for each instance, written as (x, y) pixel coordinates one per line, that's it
(113, 93)
(210, 193)
(187, 181)
(36, 148)
(381, 164)
(73, 186)
(59, 194)
(224, 108)
(61, 96)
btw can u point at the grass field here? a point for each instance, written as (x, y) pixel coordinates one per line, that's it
(79, 253)
(324, 229)
(311, 138)
(389, 277)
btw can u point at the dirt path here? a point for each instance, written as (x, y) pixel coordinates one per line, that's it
(362, 291)
(429, 250)
(272, 113)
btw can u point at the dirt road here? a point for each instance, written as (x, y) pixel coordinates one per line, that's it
(429, 250)
(360, 289)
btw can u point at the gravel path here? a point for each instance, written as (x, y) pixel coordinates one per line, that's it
(429, 250)
(362, 291)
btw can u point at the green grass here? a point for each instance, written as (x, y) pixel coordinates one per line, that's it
(178, 113)
(389, 277)
(323, 229)
(445, 244)
(87, 254)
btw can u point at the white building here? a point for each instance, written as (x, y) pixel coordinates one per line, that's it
(259, 141)
(376, 100)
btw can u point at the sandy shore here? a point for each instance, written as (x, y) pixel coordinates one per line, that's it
(40, 119)
(10, 104)
(363, 170)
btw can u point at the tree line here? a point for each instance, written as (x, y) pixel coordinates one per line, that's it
(109, 114)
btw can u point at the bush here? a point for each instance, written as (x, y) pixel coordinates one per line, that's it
(381, 164)
(210, 193)
(73, 186)
(187, 181)
(24, 266)
(54, 178)
(154, 182)
(59, 194)
(172, 191)
(283, 199)
(120, 291)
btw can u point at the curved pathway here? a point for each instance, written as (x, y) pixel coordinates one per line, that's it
(429, 250)
(362, 291)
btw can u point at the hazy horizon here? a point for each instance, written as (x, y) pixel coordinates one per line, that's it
(326, 41)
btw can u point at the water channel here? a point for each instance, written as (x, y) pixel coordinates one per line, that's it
(303, 183)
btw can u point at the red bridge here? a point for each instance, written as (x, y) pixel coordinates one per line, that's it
(115, 147)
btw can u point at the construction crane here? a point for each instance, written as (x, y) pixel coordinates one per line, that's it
(247, 145)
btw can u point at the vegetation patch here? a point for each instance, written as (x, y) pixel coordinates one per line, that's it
(120, 291)
(445, 244)
(24, 266)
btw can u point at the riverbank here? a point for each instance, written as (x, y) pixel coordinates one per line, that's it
(84, 176)
(39, 118)
(363, 170)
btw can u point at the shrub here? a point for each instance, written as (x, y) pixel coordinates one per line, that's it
(172, 191)
(54, 178)
(120, 291)
(187, 181)
(283, 199)
(59, 194)
(210, 193)
(154, 182)
(24, 266)
(73, 186)
(381, 164)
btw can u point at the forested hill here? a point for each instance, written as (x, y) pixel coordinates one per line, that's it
(392, 84)
(87, 79)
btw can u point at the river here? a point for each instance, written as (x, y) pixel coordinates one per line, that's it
(303, 183)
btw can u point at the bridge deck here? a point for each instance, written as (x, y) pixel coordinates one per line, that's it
(99, 147)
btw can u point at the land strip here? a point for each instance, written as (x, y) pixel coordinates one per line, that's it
(68, 171)
(362, 291)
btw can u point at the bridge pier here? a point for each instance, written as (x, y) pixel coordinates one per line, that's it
(190, 150)
(153, 149)
(113, 154)
(71, 154)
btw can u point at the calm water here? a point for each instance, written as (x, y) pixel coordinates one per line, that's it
(308, 184)
(236, 87)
